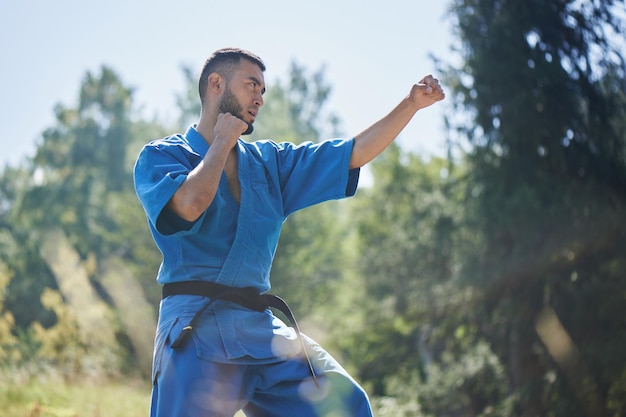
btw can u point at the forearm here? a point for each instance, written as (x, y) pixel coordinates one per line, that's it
(376, 138)
(198, 190)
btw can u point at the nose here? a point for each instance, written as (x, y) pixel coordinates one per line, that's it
(259, 100)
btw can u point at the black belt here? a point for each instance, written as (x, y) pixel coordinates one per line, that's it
(248, 297)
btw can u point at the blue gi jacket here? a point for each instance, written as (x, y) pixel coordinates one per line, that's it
(234, 244)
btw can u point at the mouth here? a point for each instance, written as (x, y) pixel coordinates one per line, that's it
(253, 114)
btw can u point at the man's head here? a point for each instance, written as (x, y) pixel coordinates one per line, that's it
(225, 63)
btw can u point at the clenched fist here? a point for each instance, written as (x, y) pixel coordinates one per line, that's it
(426, 92)
(228, 128)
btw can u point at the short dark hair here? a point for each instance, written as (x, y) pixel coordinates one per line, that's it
(225, 61)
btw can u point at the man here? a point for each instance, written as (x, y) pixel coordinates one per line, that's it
(215, 205)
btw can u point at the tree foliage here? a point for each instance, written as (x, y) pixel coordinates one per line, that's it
(546, 122)
(78, 185)
(8, 341)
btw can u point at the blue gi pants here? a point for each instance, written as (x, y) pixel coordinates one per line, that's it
(187, 386)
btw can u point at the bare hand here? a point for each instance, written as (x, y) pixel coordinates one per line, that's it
(426, 92)
(228, 128)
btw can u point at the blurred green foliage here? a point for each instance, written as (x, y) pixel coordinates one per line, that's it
(430, 284)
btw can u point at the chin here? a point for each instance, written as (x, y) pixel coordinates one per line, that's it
(249, 130)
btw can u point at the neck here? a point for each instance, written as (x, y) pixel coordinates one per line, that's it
(206, 125)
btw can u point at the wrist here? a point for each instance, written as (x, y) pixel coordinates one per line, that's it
(411, 105)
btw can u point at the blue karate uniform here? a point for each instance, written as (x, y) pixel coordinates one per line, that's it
(239, 358)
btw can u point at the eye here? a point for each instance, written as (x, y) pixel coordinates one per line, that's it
(256, 85)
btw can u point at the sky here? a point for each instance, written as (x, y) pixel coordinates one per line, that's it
(372, 53)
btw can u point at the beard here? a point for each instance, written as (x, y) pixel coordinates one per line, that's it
(229, 104)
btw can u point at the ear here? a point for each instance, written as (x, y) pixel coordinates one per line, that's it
(216, 83)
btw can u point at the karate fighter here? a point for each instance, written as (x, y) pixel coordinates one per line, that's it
(215, 206)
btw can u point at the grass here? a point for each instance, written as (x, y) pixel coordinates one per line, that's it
(59, 399)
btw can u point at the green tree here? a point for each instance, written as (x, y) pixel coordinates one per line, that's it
(62, 344)
(8, 341)
(540, 99)
(19, 253)
(81, 161)
(79, 187)
(295, 111)
(409, 226)
(188, 101)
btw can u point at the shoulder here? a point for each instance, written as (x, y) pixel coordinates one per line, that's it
(169, 143)
(166, 156)
(175, 147)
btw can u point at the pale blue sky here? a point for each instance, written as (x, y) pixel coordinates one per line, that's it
(373, 52)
